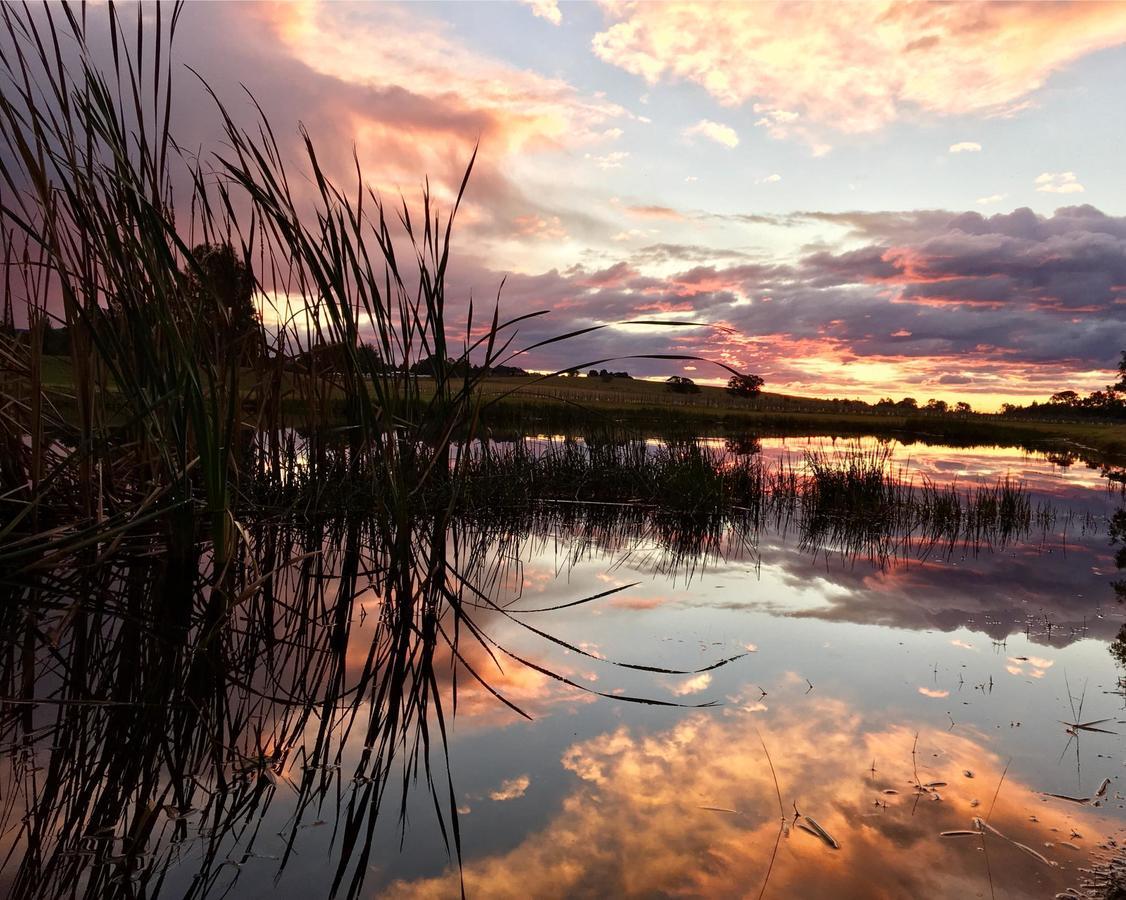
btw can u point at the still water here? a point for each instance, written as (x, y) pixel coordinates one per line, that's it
(900, 727)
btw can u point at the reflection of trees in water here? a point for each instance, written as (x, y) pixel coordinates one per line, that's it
(1118, 647)
(1117, 532)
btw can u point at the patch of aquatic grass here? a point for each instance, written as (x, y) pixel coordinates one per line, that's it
(852, 501)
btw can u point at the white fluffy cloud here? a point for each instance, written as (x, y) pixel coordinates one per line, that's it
(546, 9)
(1058, 183)
(965, 147)
(714, 131)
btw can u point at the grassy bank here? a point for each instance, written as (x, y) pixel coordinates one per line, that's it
(648, 403)
(538, 402)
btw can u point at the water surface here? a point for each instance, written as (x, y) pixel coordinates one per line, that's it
(870, 705)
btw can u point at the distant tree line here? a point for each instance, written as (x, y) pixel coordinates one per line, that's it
(606, 375)
(1107, 404)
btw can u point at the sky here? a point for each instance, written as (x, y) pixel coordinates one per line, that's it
(864, 200)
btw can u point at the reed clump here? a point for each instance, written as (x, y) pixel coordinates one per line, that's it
(856, 500)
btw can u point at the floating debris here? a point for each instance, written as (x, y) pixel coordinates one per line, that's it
(809, 824)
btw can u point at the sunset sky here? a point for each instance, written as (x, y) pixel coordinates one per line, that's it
(884, 198)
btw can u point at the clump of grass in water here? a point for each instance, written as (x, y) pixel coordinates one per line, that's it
(855, 502)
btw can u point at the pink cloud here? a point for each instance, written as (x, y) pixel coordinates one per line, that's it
(856, 67)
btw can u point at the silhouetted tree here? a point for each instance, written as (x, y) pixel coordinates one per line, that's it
(678, 384)
(744, 385)
(221, 288)
(963, 408)
(1065, 398)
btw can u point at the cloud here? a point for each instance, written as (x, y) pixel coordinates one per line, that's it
(714, 131)
(540, 228)
(693, 685)
(769, 179)
(1008, 304)
(416, 109)
(511, 789)
(611, 160)
(1058, 183)
(965, 147)
(546, 9)
(858, 67)
(655, 212)
(991, 199)
(634, 820)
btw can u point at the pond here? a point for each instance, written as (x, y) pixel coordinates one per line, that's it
(635, 712)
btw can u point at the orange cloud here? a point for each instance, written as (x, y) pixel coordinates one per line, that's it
(857, 67)
(417, 54)
(418, 106)
(692, 811)
(656, 212)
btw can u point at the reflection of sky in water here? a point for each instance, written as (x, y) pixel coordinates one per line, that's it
(963, 465)
(845, 663)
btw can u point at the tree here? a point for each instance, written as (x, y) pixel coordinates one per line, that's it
(908, 403)
(744, 385)
(430, 366)
(221, 289)
(937, 406)
(678, 384)
(963, 408)
(1064, 398)
(1120, 385)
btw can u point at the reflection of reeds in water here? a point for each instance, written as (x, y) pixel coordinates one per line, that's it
(152, 718)
(149, 720)
(693, 501)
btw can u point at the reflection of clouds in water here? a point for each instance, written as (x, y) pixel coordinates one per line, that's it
(692, 685)
(511, 789)
(964, 465)
(625, 601)
(933, 692)
(993, 593)
(1031, 666)
(535, 693)
(636, 822)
